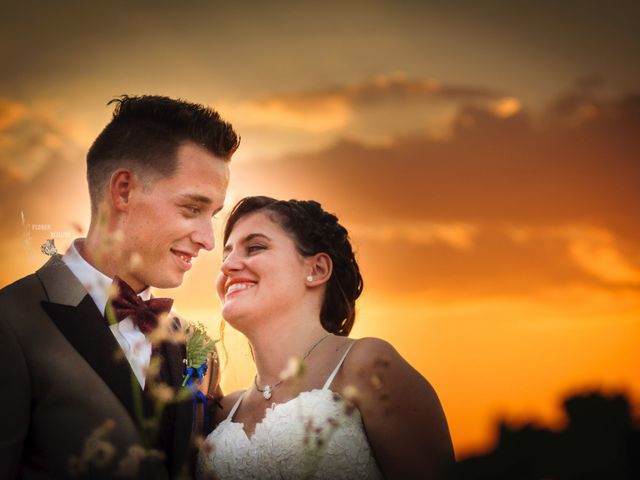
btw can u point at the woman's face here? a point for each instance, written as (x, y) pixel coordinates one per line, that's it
(262, 272)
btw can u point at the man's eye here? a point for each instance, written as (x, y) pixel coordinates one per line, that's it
(192, 210)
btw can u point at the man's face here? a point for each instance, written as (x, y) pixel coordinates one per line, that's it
(167, 225)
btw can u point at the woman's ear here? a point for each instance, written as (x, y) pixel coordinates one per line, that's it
(320, 268)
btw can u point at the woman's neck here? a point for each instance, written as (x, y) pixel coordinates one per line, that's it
(274, 347)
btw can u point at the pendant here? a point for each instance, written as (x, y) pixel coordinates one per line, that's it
(266, 393)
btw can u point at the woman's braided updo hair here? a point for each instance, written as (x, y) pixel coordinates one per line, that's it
(314, 231)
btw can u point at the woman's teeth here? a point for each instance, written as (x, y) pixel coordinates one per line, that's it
(239, 286)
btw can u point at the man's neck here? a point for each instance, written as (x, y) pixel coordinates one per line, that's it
(97, 252)
(96, 255)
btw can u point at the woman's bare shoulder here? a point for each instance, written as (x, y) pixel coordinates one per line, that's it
(370, 351)
(375, 366)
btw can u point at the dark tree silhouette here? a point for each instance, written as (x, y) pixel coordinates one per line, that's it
(601, 441)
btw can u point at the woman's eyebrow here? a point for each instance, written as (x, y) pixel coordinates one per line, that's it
(246, 239)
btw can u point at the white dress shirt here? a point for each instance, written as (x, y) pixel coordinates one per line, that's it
(133, 342)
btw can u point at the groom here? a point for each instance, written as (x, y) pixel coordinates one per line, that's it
(76, 392)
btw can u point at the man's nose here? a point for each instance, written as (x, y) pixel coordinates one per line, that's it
(203, 236)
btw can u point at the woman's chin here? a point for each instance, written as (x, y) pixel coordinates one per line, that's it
(233, 316)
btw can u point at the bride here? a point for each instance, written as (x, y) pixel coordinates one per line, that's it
(347, 408)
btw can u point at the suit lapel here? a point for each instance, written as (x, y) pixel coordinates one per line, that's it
(86, 330)
(61, 285)
(75, 314)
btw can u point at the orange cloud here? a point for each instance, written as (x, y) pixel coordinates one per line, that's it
(506, 107)
(310, 115)
(43, 185)
(599, 256)
(594, 250)
(29, 139)
(10, 113)
(458, 235)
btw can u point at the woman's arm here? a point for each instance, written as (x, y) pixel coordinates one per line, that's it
(403, 418)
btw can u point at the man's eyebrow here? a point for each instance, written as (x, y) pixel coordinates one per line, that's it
(248, 238)
(194, 197)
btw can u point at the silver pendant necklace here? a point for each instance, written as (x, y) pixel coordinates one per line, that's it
(267, 391)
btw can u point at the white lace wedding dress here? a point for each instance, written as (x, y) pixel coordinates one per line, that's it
(314, 435)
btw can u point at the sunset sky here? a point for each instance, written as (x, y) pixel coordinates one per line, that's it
(485, 157)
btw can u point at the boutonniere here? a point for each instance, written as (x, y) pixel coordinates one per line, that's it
(199, 347)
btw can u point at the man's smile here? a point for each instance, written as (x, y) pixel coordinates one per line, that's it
(184, 258)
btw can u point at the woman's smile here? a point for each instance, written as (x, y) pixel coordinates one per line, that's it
(237, 286)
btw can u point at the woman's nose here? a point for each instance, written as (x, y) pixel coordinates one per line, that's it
(231, 263)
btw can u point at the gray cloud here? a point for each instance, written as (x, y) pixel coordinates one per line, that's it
(491, 169)
(398, 87)
(541, 172)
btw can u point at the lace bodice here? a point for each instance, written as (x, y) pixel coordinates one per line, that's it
(314, 435)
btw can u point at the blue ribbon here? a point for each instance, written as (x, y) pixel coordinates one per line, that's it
(198, 397)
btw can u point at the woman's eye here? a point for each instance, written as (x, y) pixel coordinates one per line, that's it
(255, 248)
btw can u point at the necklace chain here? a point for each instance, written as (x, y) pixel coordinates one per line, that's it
(268, 389)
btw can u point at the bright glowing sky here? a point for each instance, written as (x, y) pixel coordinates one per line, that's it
(485, 157)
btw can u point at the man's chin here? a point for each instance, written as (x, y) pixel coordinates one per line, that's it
(166, 283)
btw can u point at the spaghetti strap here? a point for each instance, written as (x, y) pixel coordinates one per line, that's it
(327, 384)
(235, 406)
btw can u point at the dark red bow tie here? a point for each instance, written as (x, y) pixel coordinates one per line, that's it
(144, 313)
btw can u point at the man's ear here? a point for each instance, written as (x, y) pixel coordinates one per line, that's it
(120, 186)
(320, 268)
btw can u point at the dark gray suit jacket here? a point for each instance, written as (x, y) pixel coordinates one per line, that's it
(63, 375)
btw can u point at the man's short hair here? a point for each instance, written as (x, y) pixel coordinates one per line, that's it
(145, 134)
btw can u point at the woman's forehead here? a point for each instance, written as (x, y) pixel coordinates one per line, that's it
(260, 222)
